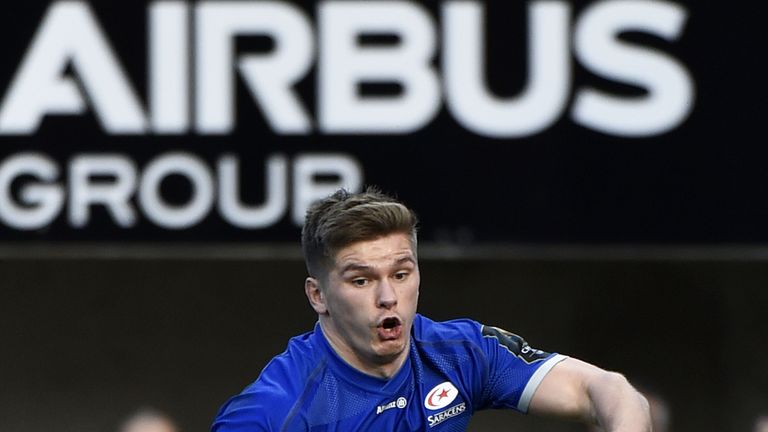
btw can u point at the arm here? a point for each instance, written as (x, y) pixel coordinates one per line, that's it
(580, 391)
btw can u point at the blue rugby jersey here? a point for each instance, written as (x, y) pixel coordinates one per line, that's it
(454, 368)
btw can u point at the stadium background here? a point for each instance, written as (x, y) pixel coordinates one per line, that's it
(641, 254)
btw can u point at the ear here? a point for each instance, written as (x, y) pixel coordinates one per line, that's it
(315, 295)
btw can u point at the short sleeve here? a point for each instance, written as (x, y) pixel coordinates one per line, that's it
(515, 369)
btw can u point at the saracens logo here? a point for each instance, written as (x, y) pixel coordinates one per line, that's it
(440, 396)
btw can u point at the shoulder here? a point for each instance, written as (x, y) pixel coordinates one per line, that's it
(483, 342)
(269, 400)
(426, 330)
(286, 374)
(450, 345)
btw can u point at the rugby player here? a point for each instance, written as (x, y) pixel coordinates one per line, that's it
(372, 363)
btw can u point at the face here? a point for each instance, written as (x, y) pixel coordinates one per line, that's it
(367, 302)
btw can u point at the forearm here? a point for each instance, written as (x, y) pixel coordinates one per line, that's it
(616, 405)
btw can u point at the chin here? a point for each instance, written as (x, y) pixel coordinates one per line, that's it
(391, 350)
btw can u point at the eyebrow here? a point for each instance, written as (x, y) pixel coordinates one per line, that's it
(354, 267)
(363, 267)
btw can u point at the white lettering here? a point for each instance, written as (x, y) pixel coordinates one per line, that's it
(42, 202)
(669, 85)
(401, 402)
(70, 38)
(269, 76)
(169, 63)
(114, 194)
(343, 65)
(447, 414)
(182, 216)
(70, 35)
(381, 408)
(114, 182)
(548, 86)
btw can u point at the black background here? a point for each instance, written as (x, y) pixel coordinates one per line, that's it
(702, 182)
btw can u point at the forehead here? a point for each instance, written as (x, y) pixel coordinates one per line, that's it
(379, 251)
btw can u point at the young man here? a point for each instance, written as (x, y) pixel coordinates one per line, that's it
(373, 364)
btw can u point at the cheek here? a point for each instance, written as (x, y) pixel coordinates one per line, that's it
(411, 292)
(348, 305)
(417, 283)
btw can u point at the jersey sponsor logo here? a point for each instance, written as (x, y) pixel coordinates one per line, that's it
(401, 402)
(451, 412)
(515, 344)
(440, 396)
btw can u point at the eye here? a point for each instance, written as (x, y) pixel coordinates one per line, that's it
(401, 275)
(360, 282)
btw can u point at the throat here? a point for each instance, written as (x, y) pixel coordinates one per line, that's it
(382, 360)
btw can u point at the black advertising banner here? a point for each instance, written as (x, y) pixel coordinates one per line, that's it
(626, 121)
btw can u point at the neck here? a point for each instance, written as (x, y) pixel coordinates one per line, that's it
(378, 366)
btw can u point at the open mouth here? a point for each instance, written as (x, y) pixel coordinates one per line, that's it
(390, 328)
(390, 323)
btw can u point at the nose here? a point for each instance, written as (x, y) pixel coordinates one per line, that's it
(387, 296)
